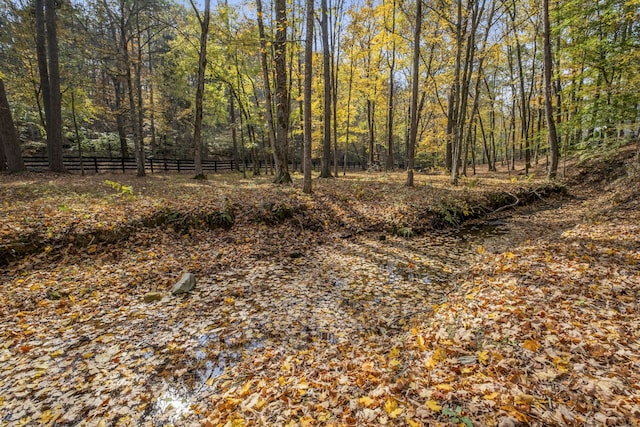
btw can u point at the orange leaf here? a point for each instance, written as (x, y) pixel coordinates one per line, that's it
(531, 345)
(515, 413)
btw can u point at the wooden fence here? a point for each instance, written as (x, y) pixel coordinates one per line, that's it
(95, 164)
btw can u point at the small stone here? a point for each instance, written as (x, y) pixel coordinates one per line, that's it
(187, 283)
(152, 296)
(468, 360)
(295, 254)
(507, 422)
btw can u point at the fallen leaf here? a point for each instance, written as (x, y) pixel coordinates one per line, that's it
(531, 345)
(444, 387)
(391, 408)
(366, 401)
(433, 405)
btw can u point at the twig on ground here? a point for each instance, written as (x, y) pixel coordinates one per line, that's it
(512, 205)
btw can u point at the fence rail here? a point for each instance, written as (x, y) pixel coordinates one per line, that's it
(96, 164)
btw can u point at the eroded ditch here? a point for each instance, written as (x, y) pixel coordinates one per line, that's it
(363, 293)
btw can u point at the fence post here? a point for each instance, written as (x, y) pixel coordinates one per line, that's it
(215, 166)
(178, 165)
(122, 164)
(151, 163)
(95, 163)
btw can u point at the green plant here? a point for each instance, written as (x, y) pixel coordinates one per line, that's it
(358, 191)
(405, 232)
(122, 189)
(473, 183)
(455, 416)
(453, 211)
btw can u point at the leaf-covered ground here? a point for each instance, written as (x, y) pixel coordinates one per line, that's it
(322, 310)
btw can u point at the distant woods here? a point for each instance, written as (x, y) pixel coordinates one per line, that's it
(393, 84)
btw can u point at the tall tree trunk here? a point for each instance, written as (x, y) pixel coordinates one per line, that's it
(308, 73)
(390, 162)
(453, 131)
(76, 131)
(233, 124)
(250, 127)
(202, 63)
(47, 53)
(335, 68)
(371, 110)
(126, 62)
(132, 114)
(524, 100)
(512, 117)
(54, 130)
(120, 119)
(476, 99)
(267, 83)
(41, 53)
(138, 70)
(8, 137)
(325, 170)
(486, 154)
(548, 107)
(232, 94)
(371, 114)
(281, 154)
(152, 113)
(348, 130)
(413, 131)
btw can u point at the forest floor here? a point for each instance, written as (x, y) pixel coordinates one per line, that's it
(358, 305)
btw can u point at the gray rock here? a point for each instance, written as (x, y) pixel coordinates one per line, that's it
(187, 283)
(507, 422)
(152, 296)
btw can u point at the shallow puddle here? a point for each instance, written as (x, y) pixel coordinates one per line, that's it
(396, 273)
(357, 292)
(210, 358)
(479, 232)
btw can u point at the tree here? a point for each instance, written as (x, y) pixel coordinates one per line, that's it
(48, 64)
(308, 74)
(281, 152)
(336, 45)
(202, 63)
(389, 165)
(413, 129)
(548, 108)
(326, 137)
(267, 83)
(8, 137)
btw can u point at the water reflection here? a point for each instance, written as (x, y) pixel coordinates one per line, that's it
(395, 274)
(212, 356)
(172, 405)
